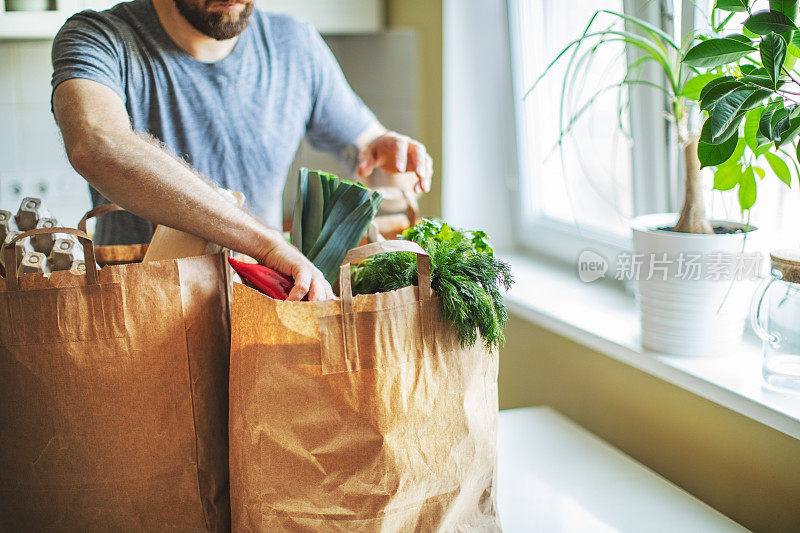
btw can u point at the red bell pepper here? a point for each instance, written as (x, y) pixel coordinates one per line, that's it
(272, 283)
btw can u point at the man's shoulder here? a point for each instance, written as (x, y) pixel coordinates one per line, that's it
(114, 23)
(283, 26)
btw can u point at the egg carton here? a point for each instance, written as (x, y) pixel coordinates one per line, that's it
(40, 253)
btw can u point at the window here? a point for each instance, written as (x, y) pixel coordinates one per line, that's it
(611, 165)
(573, 184)
(577, 187)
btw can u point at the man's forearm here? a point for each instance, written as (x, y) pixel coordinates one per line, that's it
(136, 173)
(372, 132)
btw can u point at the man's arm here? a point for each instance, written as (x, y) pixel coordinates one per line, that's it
(340, 121)
(149, 182)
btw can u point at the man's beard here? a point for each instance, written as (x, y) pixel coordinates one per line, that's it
(218, 25)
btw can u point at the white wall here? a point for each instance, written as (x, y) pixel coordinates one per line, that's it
(32, 159)
(479, 144)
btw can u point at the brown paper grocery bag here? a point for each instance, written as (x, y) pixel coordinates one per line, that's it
(113, 397)
(363, 414)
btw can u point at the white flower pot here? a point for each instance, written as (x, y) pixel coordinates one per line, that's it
(693, 301)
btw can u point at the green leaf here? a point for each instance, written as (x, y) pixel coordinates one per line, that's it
(797, 152)
(773, 53)
(727, 177)
(778, 124)
(711, 155)
(791, 57)
(351, 197)
(346, 236)
(717, 92)
(756, 100)
(707, 133)
(716, 52)
(766, 117)
(297, 219)
(765, 22)
(751, 119)
(738, 152)
(787, 7)
(760, 171)
(750, 34)
(330, 185)
(763, 144)
(313, 207)
(753, 96)
(760, 71)
(713, 83)
(644, 43)
(780, 168)
(791, 131)
(763, 81)
(741, 38)
(736, 6)
(728, 110)
(694, 86)
(331, 216)
(747, 189)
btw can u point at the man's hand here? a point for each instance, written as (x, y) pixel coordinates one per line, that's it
(308, 280)
(395, 153)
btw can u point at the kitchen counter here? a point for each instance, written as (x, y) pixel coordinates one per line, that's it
(556, 477)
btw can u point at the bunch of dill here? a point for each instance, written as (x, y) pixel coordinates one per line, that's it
(466, 277)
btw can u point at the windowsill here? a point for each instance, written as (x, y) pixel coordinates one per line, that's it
(604, 318)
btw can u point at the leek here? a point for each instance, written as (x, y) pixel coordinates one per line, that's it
(330, 217)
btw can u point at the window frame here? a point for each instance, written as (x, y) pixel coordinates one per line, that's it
(654, 159)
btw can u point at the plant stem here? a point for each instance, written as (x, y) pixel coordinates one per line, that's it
(693, 215)
(789, 73)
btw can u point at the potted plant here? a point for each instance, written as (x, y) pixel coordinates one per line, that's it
(686, 266)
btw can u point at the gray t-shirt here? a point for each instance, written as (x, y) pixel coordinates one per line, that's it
(238, 121)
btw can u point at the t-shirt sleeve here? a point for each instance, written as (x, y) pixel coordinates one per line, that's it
(86, 47)
(338, 115)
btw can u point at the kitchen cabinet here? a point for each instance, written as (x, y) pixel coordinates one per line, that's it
(36, 24)
(333, 16)
(328, 16)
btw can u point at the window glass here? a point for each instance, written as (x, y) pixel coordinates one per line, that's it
(585, 181)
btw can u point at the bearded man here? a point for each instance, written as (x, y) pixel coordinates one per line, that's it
(157, 99)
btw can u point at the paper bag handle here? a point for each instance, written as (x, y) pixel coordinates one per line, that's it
(412, 208)
(368, 250)
(100, 210)
(12, 282)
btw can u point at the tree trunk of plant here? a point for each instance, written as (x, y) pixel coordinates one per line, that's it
(693, 215)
